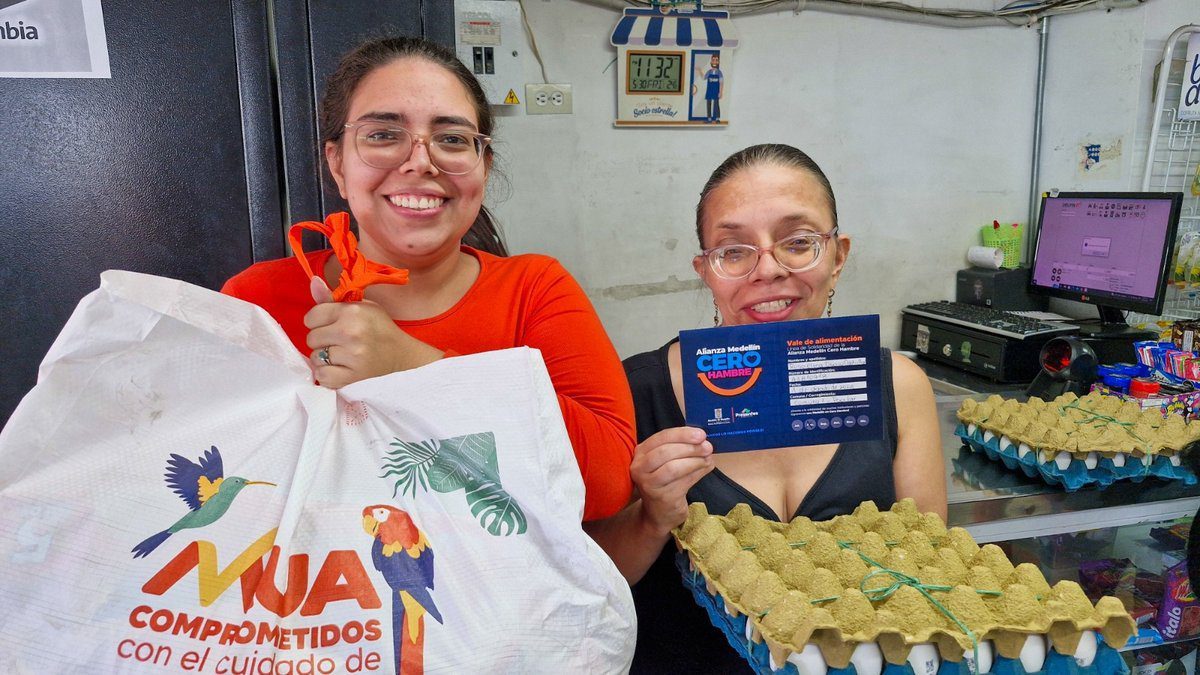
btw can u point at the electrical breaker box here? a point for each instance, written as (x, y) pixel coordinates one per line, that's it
(490, 39)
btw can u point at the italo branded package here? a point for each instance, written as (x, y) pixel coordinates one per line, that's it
(1179, 614)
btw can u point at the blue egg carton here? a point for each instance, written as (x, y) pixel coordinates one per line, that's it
(1107, 662)
(1076, 475)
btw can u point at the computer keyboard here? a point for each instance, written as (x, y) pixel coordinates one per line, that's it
(989, 320)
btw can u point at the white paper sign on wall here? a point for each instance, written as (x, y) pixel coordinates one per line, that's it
(53, 38)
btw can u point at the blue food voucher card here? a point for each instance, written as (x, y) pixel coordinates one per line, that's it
(774, 385)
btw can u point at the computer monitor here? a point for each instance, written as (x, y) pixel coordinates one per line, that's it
(1109, 249)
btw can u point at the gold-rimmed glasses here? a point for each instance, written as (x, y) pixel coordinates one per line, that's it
(387, 146)
(796, 253)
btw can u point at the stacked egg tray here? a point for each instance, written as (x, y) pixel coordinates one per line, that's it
(1076, 442)
(889, 593)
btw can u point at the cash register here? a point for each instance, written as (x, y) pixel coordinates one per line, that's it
(1109, 249)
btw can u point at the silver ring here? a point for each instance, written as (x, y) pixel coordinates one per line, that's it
(324, 356)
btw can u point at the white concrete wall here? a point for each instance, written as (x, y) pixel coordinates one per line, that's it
(924, 132)
(1101, 87)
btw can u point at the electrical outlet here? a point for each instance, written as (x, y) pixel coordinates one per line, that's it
(547, 99)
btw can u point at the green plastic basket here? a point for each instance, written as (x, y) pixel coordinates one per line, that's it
(1007, 238)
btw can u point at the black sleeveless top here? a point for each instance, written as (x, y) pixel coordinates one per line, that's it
(674, 633)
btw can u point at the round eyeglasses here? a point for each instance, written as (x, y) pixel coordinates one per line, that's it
(796, 253)
(385, 146)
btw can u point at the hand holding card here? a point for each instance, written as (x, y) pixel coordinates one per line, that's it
(665, 466)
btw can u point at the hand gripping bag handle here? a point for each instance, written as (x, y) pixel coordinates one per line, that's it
(357, 272)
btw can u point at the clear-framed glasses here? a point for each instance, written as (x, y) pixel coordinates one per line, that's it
(387, 146)
(795, 253)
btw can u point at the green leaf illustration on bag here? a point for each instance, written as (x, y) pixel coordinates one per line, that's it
(465, 463)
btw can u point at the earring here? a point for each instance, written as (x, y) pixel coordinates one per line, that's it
(716, 314)
(829, 305)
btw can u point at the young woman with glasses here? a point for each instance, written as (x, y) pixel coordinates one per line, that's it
(406, 131)
(770, 251)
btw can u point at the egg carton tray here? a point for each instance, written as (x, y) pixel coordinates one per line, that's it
(881, 591)
(737, 630)
(1090, 469)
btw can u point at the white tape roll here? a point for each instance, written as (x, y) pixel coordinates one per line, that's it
(985, 257)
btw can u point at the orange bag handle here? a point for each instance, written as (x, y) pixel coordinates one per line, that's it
(357, 271)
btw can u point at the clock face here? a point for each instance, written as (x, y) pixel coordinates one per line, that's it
(652, 72)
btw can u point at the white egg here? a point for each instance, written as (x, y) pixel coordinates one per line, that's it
(1175, 459)
(971, 429)
(1092, 460)
(1085, 653)
(1042, 457)
(1147, 459)
(1063, 460)
(1033, 653)
(987, 655)
(1005, 442)
(1023, 450)
(867, 659)
(924, 659)
(1118, 459)
(810, 661)
(987, 436)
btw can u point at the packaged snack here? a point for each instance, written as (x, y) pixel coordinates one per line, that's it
(1101, 577)
(1173, 538)
(1179, 614)
(1140, 591)
(1184, 334)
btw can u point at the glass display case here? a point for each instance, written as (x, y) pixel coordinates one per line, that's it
(1126, 540)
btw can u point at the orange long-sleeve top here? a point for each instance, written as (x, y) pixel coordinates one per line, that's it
(519, 301)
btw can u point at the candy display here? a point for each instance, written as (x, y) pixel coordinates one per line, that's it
(1073, 441)
(889, 593)
(1167, 359)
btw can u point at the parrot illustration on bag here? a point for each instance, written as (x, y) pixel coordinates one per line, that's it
(403, 554)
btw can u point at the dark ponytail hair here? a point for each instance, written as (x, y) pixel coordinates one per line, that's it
(755, 155)
(372, 54)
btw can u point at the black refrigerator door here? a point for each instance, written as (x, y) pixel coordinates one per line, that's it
(146, 171)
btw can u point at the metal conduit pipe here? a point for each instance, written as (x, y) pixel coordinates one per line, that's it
(854, 10)
(1035, 163)
(895, 15)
